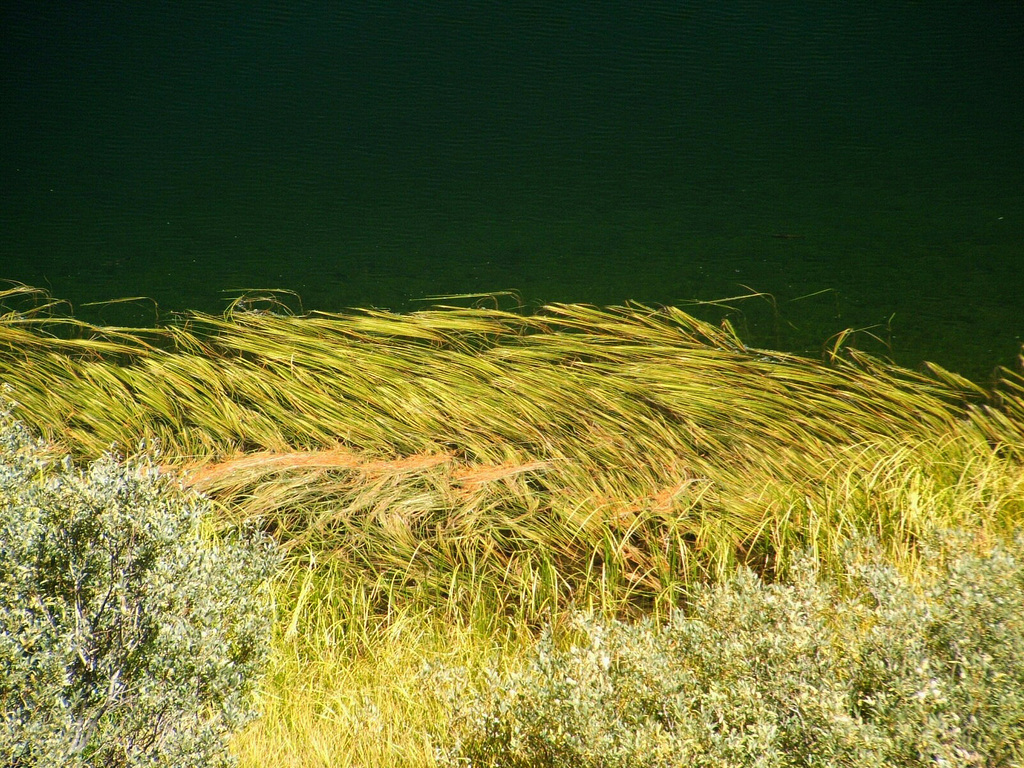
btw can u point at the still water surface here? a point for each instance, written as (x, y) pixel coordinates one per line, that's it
(861, 162)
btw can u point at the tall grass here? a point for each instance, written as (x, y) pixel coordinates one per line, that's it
(481, 469)
(454, 452)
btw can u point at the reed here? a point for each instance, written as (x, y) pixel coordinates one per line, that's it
(630, 448)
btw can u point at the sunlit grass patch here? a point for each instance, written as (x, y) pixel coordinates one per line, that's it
(632, 446)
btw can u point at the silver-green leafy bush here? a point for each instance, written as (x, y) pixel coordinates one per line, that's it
(128, 636)
(756, 674)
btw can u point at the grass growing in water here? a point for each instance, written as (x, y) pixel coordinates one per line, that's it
(464, 475)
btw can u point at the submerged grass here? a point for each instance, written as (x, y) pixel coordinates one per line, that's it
(448, 479)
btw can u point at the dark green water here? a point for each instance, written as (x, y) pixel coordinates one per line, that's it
(376, 153)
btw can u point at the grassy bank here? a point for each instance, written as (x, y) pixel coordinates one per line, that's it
(448, 481)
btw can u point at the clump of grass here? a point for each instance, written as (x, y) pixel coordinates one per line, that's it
(574, 454)
(631, 448)
(347, 690)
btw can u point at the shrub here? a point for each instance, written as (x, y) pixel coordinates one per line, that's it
(128, 636)
(756, 674)
(940, 669)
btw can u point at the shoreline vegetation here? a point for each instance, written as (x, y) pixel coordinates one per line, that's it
(449, 484)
